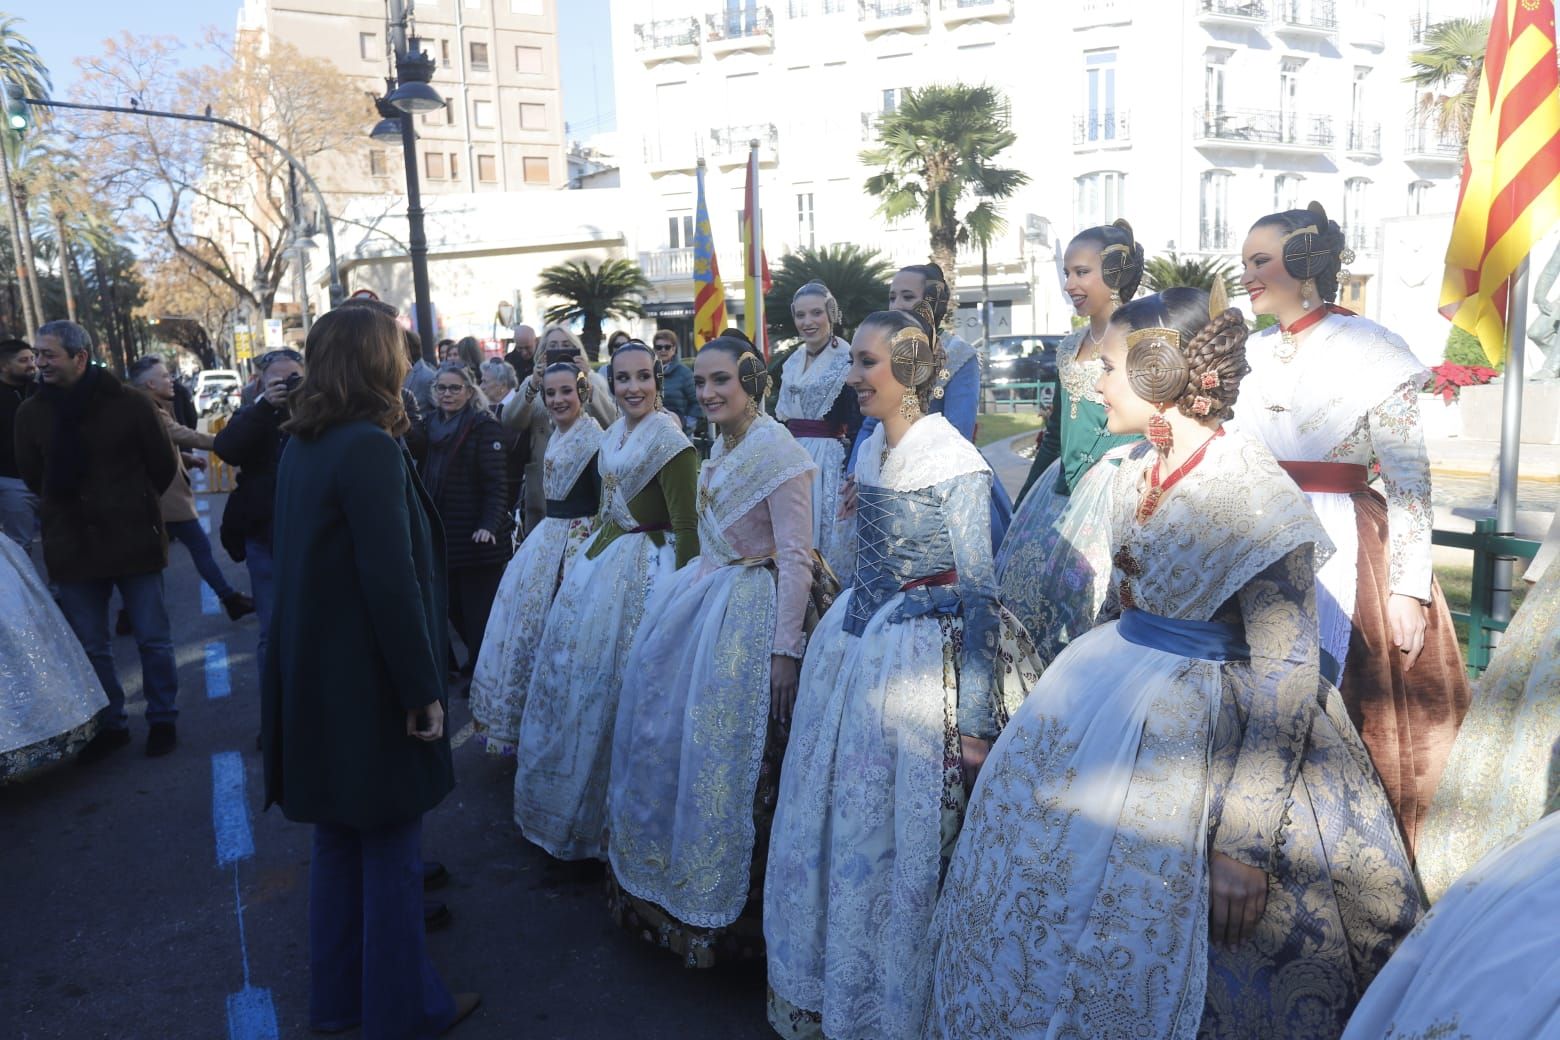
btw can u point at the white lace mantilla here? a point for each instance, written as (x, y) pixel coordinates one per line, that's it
(930, 452)
(1079, 377)
(732, 484)
(568, 453)
(808, 391)
(1226, 521)
(630, 459)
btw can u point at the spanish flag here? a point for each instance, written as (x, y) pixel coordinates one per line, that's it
(709, 294)
(1510, 196)
(755, 264)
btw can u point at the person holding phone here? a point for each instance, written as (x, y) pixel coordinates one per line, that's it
(353, 727)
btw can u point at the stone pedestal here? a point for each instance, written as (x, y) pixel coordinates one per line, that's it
(1480, 407)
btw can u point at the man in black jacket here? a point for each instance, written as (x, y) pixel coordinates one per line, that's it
(253, 441)
(18, 380)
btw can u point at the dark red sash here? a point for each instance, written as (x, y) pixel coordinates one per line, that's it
(948, 577)
(1339, 478)
(815, 428)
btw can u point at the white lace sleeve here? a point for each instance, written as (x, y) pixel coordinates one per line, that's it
(1398, 442)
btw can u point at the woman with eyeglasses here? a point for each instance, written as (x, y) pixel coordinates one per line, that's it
(460, 452)
(647, 528)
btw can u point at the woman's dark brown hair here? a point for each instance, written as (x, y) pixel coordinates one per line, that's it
(356, 361)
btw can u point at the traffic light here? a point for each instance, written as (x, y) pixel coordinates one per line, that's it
(18, 117)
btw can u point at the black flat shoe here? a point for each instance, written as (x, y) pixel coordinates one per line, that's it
(101, 746)
(237, 605)
(162, 739)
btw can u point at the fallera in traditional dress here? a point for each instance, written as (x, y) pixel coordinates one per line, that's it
(49, 695)
(1077, 902)
(1348, 399)
(1504, 772)
(531, 579)
(821, 413)
(915, 653)
(696, 757)
(1053, 570)
(646, 529)
(1482, 964)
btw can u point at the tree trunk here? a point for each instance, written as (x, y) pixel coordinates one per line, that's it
(64, 250)
(86, 299)
(590, 335)
(29, 317)
(28, 254)
(945, 253)
(105, 298)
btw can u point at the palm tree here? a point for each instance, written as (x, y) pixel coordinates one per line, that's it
(857, 276)
(1163, 272)
(24, 72)
(937, 149)
(615, 289)
(1448, 69)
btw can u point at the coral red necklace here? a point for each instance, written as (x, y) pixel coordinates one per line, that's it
(1288, 345)
(1157, 490)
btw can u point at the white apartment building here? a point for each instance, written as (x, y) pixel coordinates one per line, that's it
(1191, 118)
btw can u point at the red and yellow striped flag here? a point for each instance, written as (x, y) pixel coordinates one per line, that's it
(1510, 195)
(709, 296)
(755, 262)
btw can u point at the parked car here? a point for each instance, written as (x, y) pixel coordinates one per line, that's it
(213, 385)
(1020, 360)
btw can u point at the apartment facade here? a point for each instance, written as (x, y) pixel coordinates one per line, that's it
(1191, 118)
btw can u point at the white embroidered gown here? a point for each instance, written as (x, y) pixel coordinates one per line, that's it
(808, 390)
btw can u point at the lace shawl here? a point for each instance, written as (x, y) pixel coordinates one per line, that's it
(930, 452)
(568, 454)
(630, 459)
(809, 391)
(732, 485)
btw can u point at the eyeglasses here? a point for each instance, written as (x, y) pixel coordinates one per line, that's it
(448, 388)
(666, 346)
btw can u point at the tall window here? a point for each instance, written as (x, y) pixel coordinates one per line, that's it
(1213, 82)
(479, 56)
(679, 231)
(1356, 192)
(444, 53)
(378, 165)
(1289, 100)
(804, 219)
(454, 166)
(1418, 198)
(1099, 198)
(433, 165)
(368, 47)
(1286, 191)
(1099, 74)
(1215, 211)
(1357, 109)
(528, 61)
(892, 98)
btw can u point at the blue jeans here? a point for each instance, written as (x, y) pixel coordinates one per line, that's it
(262, 589)
(194, 539)
(368, 955)
(18, 512)
(85, 605)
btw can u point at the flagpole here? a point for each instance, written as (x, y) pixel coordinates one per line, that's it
(1510, 441)
(755, 258)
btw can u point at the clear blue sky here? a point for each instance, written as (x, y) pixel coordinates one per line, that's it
(63, 30)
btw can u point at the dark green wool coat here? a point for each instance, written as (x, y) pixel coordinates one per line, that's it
(357, 634)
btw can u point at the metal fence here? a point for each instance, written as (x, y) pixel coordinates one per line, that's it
(1487, 548)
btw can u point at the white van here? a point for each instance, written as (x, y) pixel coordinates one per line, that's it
(212, 385)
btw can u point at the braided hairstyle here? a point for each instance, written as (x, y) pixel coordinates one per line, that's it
(752, 373)
(915, 358)
(1201, 375)
(582, 387)
(1316, 256)
(1121, 256)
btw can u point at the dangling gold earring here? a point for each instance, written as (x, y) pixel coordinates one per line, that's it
(1115, 298)
(657, 406)
(910, 405)
(752, 408)
(1307, 290)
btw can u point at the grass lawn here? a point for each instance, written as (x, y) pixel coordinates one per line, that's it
(995, 426)
(1457, 586)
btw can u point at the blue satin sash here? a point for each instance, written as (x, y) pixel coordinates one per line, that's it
(1203, 640)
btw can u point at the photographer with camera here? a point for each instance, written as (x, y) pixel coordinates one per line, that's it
(253, 441)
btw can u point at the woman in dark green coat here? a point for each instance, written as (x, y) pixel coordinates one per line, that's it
(352, 701)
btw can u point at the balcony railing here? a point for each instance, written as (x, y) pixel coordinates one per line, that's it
(958, 10)
(1234, 10)
(1365, 139)
(1307, 16)
(1102, 128)
(667, 265)
(1362, 238)
(671, 152)
(1264, 128)
(1426, 142)
(739, 24)
(669, 34)
(887, 15)
(1089, 13)
(802, 8)
(729, 144)
(1215, 236)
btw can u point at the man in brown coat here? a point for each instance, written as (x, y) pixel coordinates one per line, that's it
(99, 458)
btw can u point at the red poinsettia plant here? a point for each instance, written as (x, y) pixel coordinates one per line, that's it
(1451, 377)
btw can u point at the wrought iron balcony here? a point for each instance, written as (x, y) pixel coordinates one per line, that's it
(1307, 17)
(1365, 140)
(1428, 144)
(1233, 12)
(1362, 238)
(881, 16)
(729, 144)
(740, 29)
(1087, 13)
(956, 12)
(669, 39)
(668, 265)
(1215, 236)
(1102, 128)
(1263, 129)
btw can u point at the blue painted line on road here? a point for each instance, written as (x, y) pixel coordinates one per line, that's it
(205, 524)
(209, 604)
(229, 811)
(251, 1013)
(203, 505)
(218, 684)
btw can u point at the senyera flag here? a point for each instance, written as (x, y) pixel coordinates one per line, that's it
(755, 264)
(709, 294)
(1510, 195)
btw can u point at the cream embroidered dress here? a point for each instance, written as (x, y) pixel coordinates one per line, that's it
(689, 797)
(1350, 395)
(530, 581)
(565, 748)
(1053, 569)
(915, 653)
(49, 694)
(809, 391)
(1077, 901)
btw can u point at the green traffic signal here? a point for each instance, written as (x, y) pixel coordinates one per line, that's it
(18, 118)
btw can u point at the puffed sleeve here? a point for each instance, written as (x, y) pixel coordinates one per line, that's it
(961, 396)
(968, 511)
(1276, 701)
(790, 514)
(679, 480)
(1397, 439)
